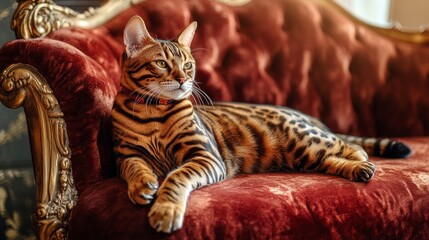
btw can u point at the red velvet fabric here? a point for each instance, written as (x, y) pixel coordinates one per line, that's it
(393, 205)
(286, 52)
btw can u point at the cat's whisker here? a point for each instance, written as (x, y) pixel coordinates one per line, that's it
(198, 100)
(195, 99)
(193, 92)
(139, 92)
(202, 105)
(151, 95)
(156, 95)
(202, 98)
(203, 95)
(196, 95)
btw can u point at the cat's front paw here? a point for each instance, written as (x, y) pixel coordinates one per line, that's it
(142, 189)
(363, 171)
(166, 216)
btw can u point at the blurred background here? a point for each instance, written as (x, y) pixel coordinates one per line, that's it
(409, 15)
(16, 178)
(17, 192)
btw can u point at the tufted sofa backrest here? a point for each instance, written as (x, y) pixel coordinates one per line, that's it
(302, 55)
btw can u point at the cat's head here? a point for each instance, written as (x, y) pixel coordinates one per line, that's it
(158, 68)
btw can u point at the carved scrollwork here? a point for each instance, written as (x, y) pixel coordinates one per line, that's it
(61, 142)
(11, 92)
(38, 18)
(23, 85)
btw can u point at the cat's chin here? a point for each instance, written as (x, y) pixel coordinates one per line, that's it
(177, 95)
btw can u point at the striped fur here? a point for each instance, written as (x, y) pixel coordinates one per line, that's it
(191, 146)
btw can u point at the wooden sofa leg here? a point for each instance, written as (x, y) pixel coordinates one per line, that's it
(56, 195)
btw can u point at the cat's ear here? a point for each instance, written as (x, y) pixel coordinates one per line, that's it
(186, 36)
(135, 36)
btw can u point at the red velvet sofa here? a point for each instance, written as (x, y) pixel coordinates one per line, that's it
(302, 54)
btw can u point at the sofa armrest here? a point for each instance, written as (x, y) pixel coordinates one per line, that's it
(23, 85)
(84, 80)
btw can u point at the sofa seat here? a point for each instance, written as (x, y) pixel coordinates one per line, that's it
(393, 205)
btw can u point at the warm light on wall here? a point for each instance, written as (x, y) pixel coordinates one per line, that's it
(384, 13)
(375, 12)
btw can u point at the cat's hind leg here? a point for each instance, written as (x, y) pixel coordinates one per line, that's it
(360, 171)
(356, 153)
(354, 166)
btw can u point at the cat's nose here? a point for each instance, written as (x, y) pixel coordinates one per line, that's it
(181, 80)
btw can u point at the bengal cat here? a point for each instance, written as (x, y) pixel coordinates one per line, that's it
(159, 133)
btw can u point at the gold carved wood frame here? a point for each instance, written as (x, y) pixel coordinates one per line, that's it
(23, 86)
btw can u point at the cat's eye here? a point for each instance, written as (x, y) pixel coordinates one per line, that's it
(161, 63)
(187, 66)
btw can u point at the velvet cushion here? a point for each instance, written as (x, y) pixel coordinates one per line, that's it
(393, 205)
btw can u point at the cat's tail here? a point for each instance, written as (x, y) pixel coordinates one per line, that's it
(380, 147)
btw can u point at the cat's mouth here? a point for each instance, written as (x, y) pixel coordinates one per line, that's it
(182, 92)
(172, 90)
(178, 93)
